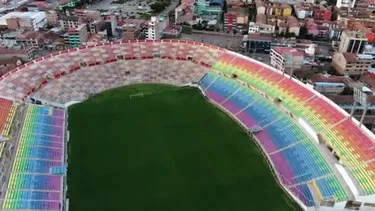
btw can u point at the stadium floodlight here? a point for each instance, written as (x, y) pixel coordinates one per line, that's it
(360, 98)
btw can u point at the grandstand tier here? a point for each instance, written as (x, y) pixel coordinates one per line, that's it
(244, 88)
(31, 183)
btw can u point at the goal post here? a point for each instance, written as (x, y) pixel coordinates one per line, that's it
(136, 95)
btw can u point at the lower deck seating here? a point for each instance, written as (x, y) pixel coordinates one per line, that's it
(303, 193)
(31, 205)
(32, 183)
(330, 187)
(34, 166)
(293, 154)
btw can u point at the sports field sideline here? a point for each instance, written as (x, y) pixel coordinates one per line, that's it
(169, 150)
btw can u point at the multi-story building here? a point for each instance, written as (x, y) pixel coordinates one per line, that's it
(52, 18)
(155, 26)
(31, 39)
(235, 21)
(32, 20)
(110, 24)
(322, 13)
(270, 8)
(95, 26)
(265, 25)
(352, 42)
(286, 58)
(329, 84)
(76, 36)
(345, 3)
(351, 64)
(213, 7)
(67, 22)
(303, 10)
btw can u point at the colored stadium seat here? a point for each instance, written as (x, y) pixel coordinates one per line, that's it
(294, 156)
(32, 184)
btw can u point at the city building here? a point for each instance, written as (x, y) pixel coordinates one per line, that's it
(155, 26)
(322, 13)
(329, 84)
(316, 28)
(235, 21)
(76, 36)
(303, 10)
(270, 8)
(286, 58)
(67, 22)
(351, 64)
(257, 42)
(110, 25)
(23, 54)
(212, 7)
(52, 18)
(16, 20)
(31, 39)
(265, 25)
(345, 3)
(352, 42)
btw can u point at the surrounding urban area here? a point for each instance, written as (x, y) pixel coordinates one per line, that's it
(326, 44)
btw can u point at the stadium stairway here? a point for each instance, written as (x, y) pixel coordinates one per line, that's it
(295, 157)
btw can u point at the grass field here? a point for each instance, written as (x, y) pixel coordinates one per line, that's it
(170, 150)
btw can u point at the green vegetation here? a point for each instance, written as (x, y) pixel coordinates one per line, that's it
(144, 15)
(103, 10)
(159, 6)
(166, 151)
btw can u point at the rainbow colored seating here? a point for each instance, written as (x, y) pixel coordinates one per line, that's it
(293, 155)
(330, 187)
(34, 166)
(283, 133)
(33, 205)
(347, 139)
(46, 111)
(35, 152)
(32, 184)
(42, 138)
(35, 182)
(32, 195)
(7, 113)
(304, 163)
(303, 193)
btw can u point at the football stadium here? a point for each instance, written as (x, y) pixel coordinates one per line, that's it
(175, 125)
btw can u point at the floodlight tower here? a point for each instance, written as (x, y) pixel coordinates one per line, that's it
(360, 98)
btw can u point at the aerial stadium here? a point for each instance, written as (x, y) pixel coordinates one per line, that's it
(163, 141)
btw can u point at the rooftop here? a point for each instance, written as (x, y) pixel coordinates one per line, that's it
(288, 50)
(23, 15)
(330, 78)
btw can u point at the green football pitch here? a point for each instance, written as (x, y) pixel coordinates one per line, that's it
(168, 150)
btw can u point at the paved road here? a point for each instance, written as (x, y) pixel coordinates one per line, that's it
(229, 42)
